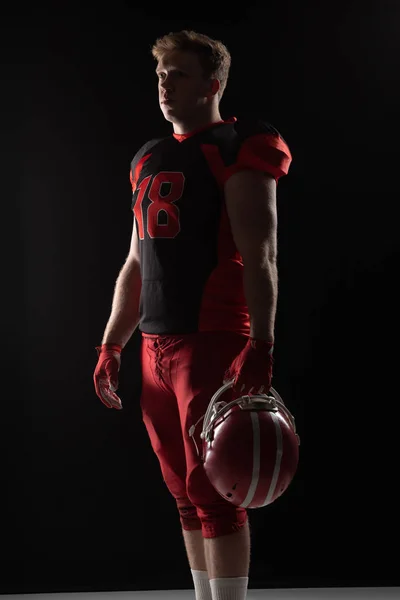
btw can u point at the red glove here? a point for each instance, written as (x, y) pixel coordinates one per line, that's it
(106, 374)
(252, 369)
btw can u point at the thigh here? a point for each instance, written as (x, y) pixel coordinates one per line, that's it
(201, 365)
(199, 369)
(161, 417)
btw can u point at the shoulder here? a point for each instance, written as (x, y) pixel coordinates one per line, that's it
(260, 147)
(145, 149)
(248, 127)
(139, 159)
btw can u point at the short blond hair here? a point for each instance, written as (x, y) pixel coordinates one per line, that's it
(214, 56)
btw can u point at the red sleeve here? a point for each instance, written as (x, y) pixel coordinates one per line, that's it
(262, 152)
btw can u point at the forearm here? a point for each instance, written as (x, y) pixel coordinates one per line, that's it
(124, 316)
(261, 293)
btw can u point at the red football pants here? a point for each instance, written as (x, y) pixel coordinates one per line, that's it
(180, 374)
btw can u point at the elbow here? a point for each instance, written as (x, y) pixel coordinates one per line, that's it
(262, 259)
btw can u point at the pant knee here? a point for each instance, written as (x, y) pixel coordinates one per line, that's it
(215, 520)
(188, 515)
(215, 523)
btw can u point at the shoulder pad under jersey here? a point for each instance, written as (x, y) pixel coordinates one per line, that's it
(145, 149)
(262, 148)
(249, 126)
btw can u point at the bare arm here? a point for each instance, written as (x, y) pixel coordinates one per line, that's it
(261, 293)
(250, 198)
(124, 316)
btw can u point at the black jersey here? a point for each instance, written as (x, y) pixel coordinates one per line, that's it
(192, 273)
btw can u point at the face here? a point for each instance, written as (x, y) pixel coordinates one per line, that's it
(182, 88)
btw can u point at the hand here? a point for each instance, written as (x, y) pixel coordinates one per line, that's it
(252, 369)
(106, 374)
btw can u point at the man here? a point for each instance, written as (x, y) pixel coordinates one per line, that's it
(200, 281)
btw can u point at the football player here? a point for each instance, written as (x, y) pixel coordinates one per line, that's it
(201, 283)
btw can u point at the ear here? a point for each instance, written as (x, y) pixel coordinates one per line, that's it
(214, 88)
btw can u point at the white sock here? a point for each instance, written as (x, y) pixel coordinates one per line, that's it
(201, 585)
(229, 588)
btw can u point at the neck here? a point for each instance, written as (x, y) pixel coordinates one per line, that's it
(197, 121)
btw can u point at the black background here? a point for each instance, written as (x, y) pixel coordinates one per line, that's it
(85, 505)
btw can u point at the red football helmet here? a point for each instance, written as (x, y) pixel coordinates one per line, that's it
(250, 447)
